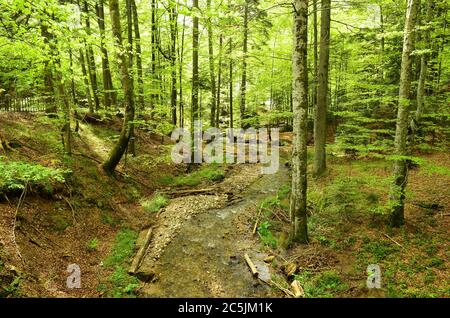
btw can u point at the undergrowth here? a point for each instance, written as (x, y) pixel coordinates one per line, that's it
(119, 283)
(206, 173)
(155, 204)
(16, 175)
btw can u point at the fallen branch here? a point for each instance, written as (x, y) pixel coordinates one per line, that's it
(181, 193)
(255, 227)
(427, 205)
(392, 240)
(284, 290)
(86, 156)
(140, 254)
(252, 266)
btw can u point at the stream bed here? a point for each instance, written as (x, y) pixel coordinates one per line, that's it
(205, 258)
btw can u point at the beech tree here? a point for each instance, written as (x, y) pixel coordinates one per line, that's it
(397, 195)
(299, 231)
(195, 113)
(119, 149)
(320, 119)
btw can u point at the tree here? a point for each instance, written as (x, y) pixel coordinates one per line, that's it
(48, 76)
(86, 81)
(211, 67)
(180, 72)
(109, 95)
(219, 81)
(315, 59)
(173, 61)
(90, 58)
(154, 31)
(195, 75)
(51, 45)
(230, 51)
(129, 12)
(320, 119)
(397, 193)
(138, 54)
(299, 230)
(424, 66)
(244, 63)
(120, 147)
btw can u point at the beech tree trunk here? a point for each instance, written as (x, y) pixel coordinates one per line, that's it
(219, 81)
(397, 193)
(320, 119)
(129, 12)
(65, 130)
(154, 96)
(51, 46)
(231, 82)
(48, 74)
(195, 76)
(299, 231)
(181, 55)
(211, 68)
(92, 70)
(423, 68)
(173, 62)
(244, 64)
(109, 95)
(86, 81)
(137, 41)
(127, 85)
(316, 55)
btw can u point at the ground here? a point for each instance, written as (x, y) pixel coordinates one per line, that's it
(199, 239)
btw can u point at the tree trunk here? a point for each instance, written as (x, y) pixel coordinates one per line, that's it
(181, 55)
(138, 53)
(48, 76)
(195, 76)
(92, 70)
(154, 96)
(244, 64)
(129, 12)
(72, 77)
(72, 88)
(219, 81)
(382, 44)
(173, 62)
(423, 69)
(86, 82)
(65, 130)
(231, 81)
(397, 193)
(66, 134)
(320, 119)
(211, 68)
(272, 71)
(109, 96)
(127, 85)
(316, 55)
(299, 231)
